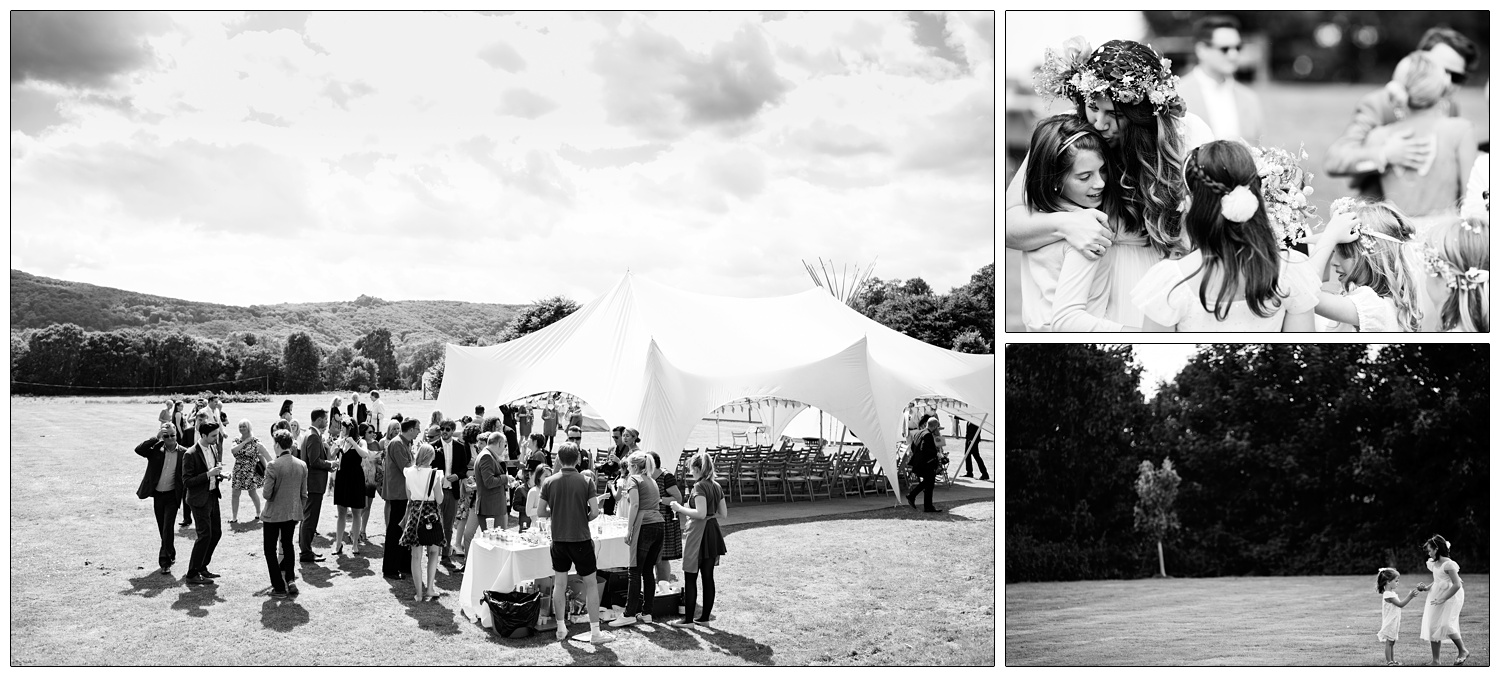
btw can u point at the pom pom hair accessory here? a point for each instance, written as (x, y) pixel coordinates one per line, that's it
(1239, 205)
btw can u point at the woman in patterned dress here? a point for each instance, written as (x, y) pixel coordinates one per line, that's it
(246, 449)
(671, 548)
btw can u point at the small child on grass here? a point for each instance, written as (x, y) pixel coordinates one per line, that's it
(1390, 610)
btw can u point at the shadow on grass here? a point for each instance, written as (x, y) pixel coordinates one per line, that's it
(315, 574)
(282, 615)
(242, 527)
(900, 513)
(355, 566)
(593, 655)
(738, 646)
(151, 584)
(432, 615)
(196, 600)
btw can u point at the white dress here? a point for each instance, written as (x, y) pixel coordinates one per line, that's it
(1042, 268)
(1440, 621)
(1376, 312)
(1390, 617)
(1161, 298)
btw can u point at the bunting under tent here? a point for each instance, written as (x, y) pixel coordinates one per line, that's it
(660, 359)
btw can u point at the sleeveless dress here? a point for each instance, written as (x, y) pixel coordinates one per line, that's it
(411, 535)
(1390, 618)
(349, 481)
(671, 547)
(1161, 298)
(1440, 621)
(244, 476)
(702, 541)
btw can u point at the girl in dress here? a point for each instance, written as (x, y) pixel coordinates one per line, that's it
(1440, 615)
(1237, 278)
(702, 541)
(1066, 172)
(1428, 194)
(1390, 610)
(1458, 269)
(1129, 95)
(349, 489)
(425, 490)
(1369, 245)
(374, 458)
(246, 450)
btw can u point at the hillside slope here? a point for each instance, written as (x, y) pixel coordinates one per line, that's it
(37, 301)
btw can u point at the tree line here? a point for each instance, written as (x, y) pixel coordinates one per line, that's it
(1312, 459)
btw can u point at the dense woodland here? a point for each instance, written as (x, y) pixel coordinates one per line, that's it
(1313, 459)
(70, 337)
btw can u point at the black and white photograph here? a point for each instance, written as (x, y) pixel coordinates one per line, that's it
(1247, 171)
(1232, 504)
(503, 338)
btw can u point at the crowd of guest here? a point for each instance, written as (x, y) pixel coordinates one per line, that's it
(439, 482)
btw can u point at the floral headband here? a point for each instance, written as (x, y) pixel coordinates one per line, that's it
(1077, 71)
(1367, 236)
(1467, 280)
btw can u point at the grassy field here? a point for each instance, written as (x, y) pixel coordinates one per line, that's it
(1311, 115)
(1299, 620)
(886, 587)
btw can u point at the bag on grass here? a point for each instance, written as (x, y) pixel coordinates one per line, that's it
(514, 613)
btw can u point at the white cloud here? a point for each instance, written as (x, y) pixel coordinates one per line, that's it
(508, 158)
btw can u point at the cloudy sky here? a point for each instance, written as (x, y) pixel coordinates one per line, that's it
(291, 156)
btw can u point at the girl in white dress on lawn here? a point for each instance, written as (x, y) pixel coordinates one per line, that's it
(1370, 245)
(1390, 610)
(1237, 278)
(1440, 614)
(1127, 92)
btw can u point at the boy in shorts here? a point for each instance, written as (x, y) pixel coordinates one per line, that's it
(568, 498)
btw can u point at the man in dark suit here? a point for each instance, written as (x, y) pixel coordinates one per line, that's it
(202, 469)
(162, 483)
(315, 454)
(453, 460)
(1351, 156)
(357, 410)
(398, 457)
(924, 464)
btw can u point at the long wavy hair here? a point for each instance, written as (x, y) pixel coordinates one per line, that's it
(1380, 264)
(1237, 257)
(1464, 244)
(1048, 162)
(1147, 160)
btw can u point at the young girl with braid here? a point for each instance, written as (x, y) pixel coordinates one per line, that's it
(1237, 278)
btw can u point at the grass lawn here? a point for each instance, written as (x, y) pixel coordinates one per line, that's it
(886, 587)
(1310, 115)
(1296, 620)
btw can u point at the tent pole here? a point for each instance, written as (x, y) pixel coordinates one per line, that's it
(977, 439)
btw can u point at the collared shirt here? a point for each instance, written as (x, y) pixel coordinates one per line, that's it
(1219, 107)
(167, 481)
(447, 462)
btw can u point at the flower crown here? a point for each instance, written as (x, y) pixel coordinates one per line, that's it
(1078, 72)
(1367, 236)
(1457, 280)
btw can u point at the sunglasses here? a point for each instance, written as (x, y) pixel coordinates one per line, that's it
(1458, 78)
(1228, 48)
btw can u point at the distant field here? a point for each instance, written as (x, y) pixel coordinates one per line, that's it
(1295, 620)
(1313, 115)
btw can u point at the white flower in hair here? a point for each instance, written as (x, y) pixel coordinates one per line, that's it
(1239, 205)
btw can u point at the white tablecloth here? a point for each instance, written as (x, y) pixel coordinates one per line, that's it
(504, 566)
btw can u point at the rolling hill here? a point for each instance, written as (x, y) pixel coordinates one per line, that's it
(37, 302)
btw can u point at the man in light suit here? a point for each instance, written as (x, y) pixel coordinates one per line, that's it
(1350, 156)
(452, 460)
(163, 483)
(202, 470)
(357, 410)
(286, 494)
(315, 454)
(1231, 109)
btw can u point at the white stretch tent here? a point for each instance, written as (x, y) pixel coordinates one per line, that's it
(658, 359)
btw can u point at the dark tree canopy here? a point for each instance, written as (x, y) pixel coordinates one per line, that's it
(301, 363)
(378, 347)
(537, 316)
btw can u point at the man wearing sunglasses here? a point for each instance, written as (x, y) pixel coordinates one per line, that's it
(1363, 163)
(1231, 109)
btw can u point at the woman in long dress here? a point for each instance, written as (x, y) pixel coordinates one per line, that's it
(1127, 92)
(1444, 601)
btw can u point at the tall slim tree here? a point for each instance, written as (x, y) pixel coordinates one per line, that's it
(1156, 491)
(377, 346)
(301, 364)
